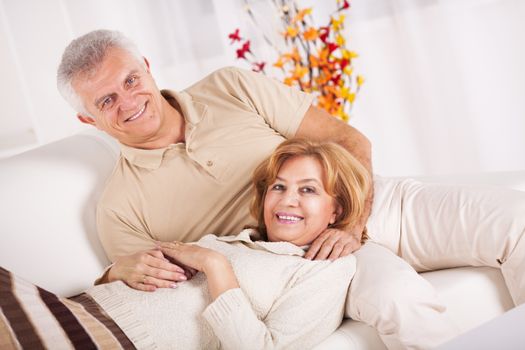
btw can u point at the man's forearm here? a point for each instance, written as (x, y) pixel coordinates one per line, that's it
(318, 125)
(360, 147)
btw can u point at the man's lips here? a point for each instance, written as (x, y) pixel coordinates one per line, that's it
(287, 218)
(137, 115)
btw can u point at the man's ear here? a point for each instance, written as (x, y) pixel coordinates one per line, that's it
(86, 120)
(147, 63)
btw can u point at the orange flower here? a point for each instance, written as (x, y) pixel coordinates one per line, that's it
(310, 34)
(360, 80)
(291, 32)
(289, 81)
(340, 40)
(280, 62)
(316, 60)
(337, 24)
(294, 55)
(299, 71)
(313, 61)
(301, 14)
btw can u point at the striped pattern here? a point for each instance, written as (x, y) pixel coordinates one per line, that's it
(33, 318)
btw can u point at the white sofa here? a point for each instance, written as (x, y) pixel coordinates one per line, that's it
(47, 207)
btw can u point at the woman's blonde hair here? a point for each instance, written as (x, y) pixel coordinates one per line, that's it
(344, 178)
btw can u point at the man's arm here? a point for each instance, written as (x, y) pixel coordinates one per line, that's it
(318, 125)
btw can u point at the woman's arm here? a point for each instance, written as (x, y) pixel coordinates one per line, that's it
(214, 265)
(307, 312)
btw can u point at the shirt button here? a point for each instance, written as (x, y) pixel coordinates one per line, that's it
(209, 163)
(190, 150)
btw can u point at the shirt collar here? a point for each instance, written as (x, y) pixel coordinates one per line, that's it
(192, 111)
(250, 238)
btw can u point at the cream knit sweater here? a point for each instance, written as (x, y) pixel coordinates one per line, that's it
(284, 301)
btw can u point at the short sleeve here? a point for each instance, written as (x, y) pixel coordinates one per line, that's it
(118, 235)
(282, 107)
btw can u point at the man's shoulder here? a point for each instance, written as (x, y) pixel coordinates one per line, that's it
(227, 72)
(225, 78)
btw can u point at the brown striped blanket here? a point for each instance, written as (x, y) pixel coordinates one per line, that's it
(33, 318)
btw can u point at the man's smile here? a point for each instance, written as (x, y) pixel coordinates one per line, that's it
(138, 114)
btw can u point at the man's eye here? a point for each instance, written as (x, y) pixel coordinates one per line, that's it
(107, 102)
(131, 81)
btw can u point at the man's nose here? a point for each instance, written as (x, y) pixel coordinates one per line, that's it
(128, 101)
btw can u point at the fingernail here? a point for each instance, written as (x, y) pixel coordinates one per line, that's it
(173, 285)
(183, 277)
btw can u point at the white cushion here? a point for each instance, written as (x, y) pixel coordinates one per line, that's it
(47, 204)
(473, 295)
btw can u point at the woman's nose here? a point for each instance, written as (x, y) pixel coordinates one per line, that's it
(290, 198)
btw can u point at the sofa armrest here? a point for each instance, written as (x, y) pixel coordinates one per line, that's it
(48, 212)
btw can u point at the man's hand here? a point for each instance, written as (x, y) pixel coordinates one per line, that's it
(215, 266)
(334, 243)
(147, 271)
(190, 255)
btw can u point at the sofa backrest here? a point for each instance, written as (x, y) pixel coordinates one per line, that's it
(47, 208)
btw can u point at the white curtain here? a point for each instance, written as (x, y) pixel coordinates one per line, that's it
(444, 78)
(445, 84)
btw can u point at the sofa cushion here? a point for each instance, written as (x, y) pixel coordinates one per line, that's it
(33, 318)
(473, 295)
(49, 196)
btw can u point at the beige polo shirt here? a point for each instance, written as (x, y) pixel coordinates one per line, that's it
(234, 120)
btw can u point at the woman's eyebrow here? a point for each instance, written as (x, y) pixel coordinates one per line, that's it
(301, 181)
(310, 180)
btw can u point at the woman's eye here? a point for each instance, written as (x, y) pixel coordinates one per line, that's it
(308, 190)
(277, 187)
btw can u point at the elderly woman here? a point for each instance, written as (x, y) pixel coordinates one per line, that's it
(255, 290)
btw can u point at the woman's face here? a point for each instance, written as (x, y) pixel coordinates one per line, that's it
(297, 208)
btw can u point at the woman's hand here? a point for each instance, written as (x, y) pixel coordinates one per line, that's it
(146, 271)
(213, 264)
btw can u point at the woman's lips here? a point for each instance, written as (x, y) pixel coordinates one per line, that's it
(286, 218)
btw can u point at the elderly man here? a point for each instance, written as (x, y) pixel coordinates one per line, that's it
(185, 167)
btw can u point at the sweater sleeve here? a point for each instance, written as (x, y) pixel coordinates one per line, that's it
(307, 312)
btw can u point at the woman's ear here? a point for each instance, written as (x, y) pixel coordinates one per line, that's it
(337, 212)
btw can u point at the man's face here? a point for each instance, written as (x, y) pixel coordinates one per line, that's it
(122, 98)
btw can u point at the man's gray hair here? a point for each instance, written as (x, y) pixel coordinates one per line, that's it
(83, 55)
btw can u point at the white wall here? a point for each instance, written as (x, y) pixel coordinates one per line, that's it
(444, 78)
